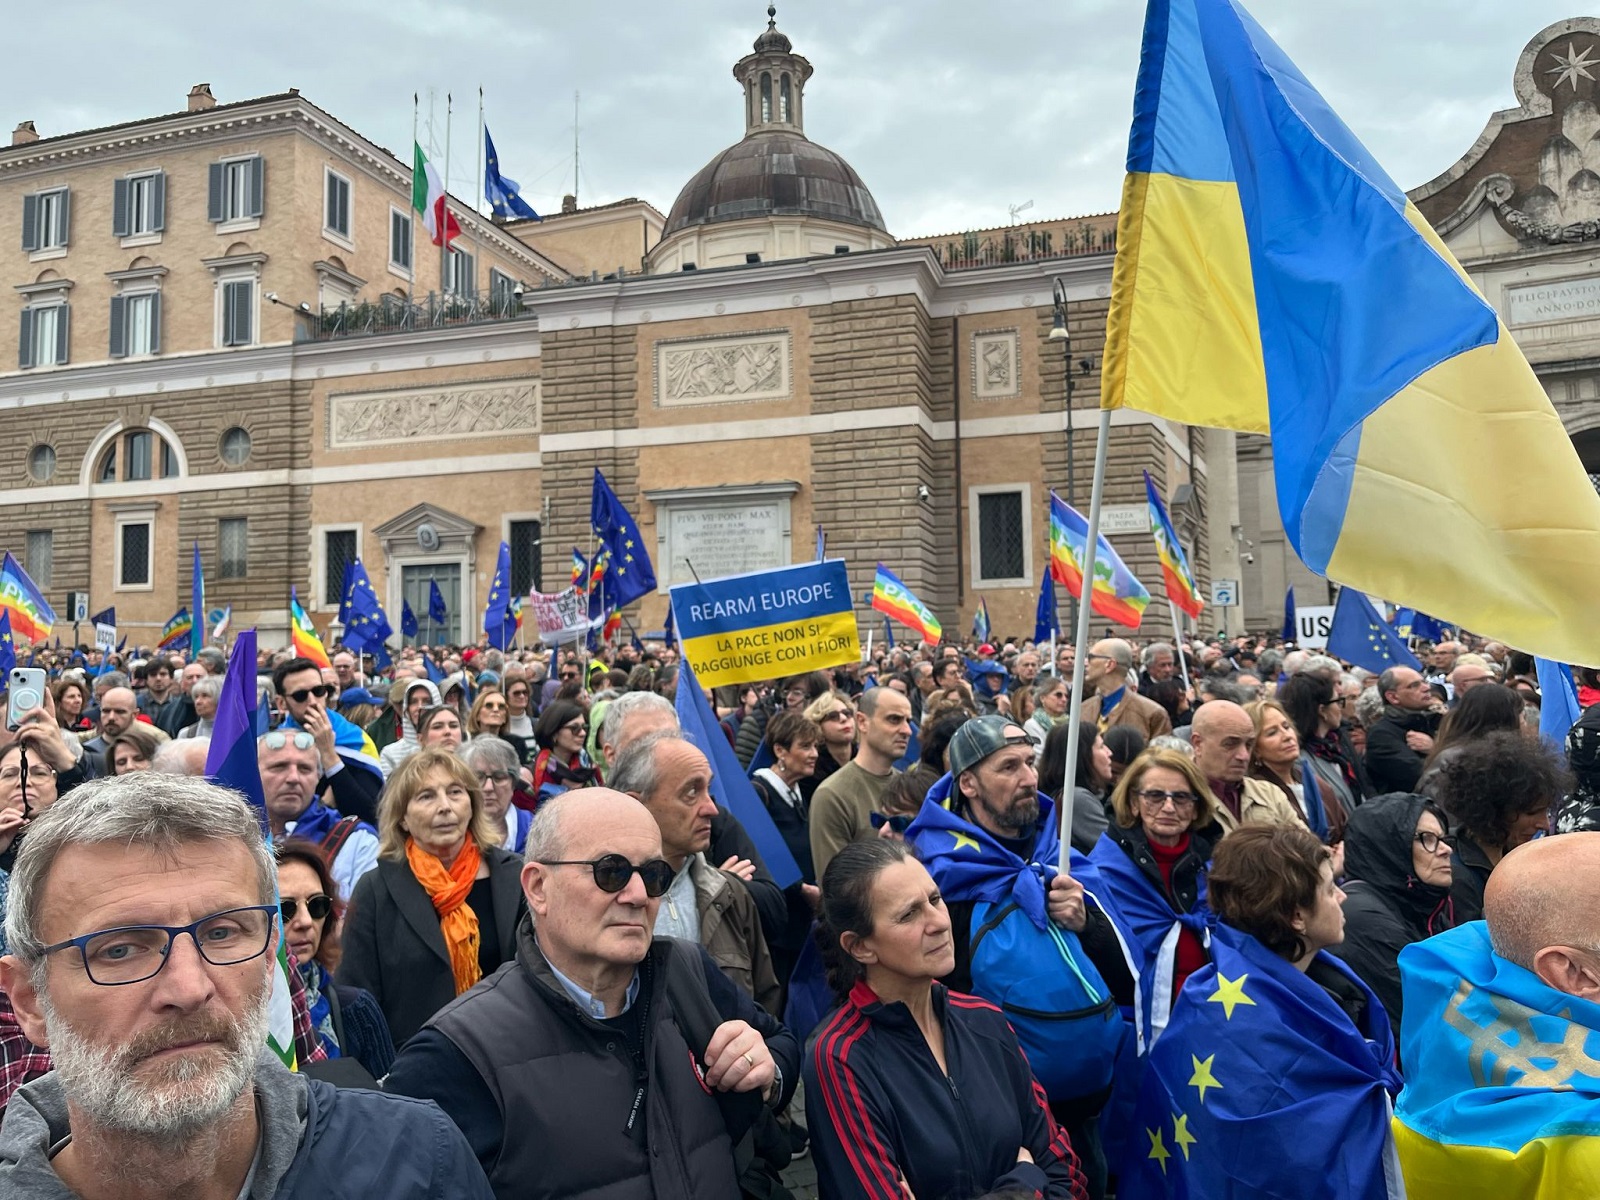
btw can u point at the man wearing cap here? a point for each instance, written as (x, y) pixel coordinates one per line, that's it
(1111, 701)
(989, 837)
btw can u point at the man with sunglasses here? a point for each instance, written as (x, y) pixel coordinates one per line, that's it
(604, 1060)
(143, 935)
(350, 770)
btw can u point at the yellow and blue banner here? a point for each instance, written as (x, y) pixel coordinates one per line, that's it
(1502, 1094)
(767, 623)
(1270, 277)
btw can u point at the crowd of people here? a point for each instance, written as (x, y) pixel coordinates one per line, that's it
(527, 953)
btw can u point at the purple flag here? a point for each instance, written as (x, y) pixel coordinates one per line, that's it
(231, 761)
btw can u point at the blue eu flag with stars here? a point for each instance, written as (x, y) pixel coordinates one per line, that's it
(498, 624)
(408, 619)
(367, 625)
(629, 574)
(1360, 635)
(437, 613)
(503, 194)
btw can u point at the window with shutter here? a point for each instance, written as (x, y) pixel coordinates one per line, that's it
(63, 323)
(400, 240)
(119, 208)
(119, 325)
(30, 223)
(140, 332)
(217, 197)
(525, 542)
(336, 204)
(52, 220)
(25, 341)
(258, 185)
(238, 312)
(158, 202)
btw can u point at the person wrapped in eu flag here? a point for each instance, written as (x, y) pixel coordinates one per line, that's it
(1501, 1037)
(1274, 1076)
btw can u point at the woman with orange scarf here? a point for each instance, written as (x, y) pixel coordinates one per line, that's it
(440, 910)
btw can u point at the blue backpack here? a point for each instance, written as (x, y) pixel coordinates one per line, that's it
(1055, 999)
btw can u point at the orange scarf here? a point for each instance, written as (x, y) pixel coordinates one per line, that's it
(448, 891)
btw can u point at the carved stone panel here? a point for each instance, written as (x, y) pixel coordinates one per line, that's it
(996, 372)
(502, 408)
(723, 369)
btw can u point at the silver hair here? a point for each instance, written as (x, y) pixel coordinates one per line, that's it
(107, 680)
(634, 769)
(624, 706)
(1154, 649)
(207, 685)
(490, 752)
(1165, 741)
(1320, 664)
(1369, 707)
(182, 756)
(158, 812)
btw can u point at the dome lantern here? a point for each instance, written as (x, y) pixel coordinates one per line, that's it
(773, 77)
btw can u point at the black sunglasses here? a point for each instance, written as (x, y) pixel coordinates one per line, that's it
(898, 824)
(317, 907)
(322, 691)
(612, 872)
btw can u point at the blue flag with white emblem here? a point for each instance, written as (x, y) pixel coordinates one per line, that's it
(629, 574)
(502, 193)
(1360, 635)
(1262, 1085)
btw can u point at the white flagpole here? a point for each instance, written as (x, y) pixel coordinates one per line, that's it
(444, 209)
(1085, 609)
(416, 217)
(477, 203)
(1177, 637)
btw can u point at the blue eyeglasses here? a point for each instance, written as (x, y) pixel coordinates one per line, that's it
(134, 953)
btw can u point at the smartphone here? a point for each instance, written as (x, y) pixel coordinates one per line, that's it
(24, 691)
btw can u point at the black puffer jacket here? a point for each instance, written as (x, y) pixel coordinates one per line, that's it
(1386, 908)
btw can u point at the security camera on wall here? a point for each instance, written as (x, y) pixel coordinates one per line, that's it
(1247, 558)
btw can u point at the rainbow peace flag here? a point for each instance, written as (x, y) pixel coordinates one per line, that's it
(514, 611)
(1116, 594)
(303, 634)
(31, 615)
(895, 599)
(1181, 589)
(175, 633)
(580, 569)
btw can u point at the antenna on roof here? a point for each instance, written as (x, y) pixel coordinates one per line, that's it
(574, 148)
(1014, 209)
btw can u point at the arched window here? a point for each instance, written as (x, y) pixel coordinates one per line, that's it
(146, 455)
(783, 99)
(766, 97)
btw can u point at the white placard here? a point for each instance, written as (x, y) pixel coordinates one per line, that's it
(1546, 303)
(105, 637)
(1125, 518)
(721, 540)
(1312, 625)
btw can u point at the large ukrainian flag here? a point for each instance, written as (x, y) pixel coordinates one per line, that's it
(1271, 278)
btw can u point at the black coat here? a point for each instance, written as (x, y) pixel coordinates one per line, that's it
(393, 946)
(1393, 766)
(1386, 908)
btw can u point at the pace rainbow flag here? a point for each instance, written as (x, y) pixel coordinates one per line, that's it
(175, 633)
(1271, 277)
(303, 634)
(580, 570)
(1116, 594)
(1175, 573)
(31, 614)
(894, 598)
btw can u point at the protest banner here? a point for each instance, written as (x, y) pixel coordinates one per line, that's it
(561, 616)
(767, 624)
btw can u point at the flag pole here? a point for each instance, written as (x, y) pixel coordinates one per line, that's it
(477, 200)
(1085, 610)
(1177, 637)
(444, 208)
(411, 284)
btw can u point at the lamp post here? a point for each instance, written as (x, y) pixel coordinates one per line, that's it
(1060, 333)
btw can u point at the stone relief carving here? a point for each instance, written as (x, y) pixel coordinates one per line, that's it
(713, 370)
(499, 409)
(995, 371)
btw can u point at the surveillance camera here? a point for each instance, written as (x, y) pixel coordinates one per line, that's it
(922, 491)
(1248, 557)
(270, 297)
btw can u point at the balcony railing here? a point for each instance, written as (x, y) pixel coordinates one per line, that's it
(972, 250)
(391, 314)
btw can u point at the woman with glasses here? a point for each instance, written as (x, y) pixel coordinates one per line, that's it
(496, 765)
(439, 912)
(346, 1020)
(519, 705)
(835, 716)
(1153, 860)
(1092, 787)
(562, 762)
(1397, 888)
(1050, 705)
(491, 717)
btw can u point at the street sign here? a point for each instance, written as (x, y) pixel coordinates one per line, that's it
(1225, 593)
(1125, 518)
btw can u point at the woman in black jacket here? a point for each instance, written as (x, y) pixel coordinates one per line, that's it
(1397, 888)
(910, 1088)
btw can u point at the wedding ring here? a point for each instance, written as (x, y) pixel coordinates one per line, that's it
(748, 1061)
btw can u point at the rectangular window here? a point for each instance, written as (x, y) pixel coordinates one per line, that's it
(43, 341)
(139, 205)
(135, 324)
(169, 461)
(461, 273)
(50, 219)
(1001, 543)
(137, 449)
(339, 551)
(238, 312)
(233, 540)
(134, 543)
(336, 204)
(502, 292)
(237, 188)
(400, 240)
(41, 555)
(526, 544)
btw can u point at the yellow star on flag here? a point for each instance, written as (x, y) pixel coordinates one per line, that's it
(1230, 994)
(1202, 1077)
(963, 839)
(1181, 1136)
(1158, 1149)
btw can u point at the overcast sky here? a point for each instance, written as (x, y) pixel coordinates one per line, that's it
(951, 112)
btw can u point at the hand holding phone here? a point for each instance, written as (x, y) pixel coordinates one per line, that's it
(25, 691)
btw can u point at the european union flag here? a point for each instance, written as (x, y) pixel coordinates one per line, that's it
(1290, 633)
(1558, 701)
(408, 619)
(435, 675)
(106, 616)
(1361, 636)
(501, 192)
(629, 574)
(1408, 623)
(366, 624)
(1254, 1047)
(498, 623)
(345, 592)
(8, 647)
(437, 612)
(1046, 624)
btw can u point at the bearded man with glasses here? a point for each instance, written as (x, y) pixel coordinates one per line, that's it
(144, 936)
(603, 1059)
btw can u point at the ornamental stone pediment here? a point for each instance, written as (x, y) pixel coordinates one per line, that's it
(487, 409)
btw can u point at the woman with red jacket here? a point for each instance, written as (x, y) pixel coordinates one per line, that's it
(912, 1088)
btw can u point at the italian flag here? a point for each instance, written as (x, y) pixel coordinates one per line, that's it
(427, 197)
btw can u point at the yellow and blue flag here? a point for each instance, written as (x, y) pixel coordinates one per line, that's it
(1262, 1085)
(1502, 1094)
(1271, 277)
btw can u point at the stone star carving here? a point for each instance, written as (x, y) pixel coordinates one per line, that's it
(1573, 66)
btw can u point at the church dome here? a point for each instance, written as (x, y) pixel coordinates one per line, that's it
(774, 172)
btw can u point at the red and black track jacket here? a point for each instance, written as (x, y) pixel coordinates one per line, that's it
(881, 1111)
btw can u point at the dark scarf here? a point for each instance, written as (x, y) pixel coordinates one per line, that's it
(547, 768)
(1330, 749)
